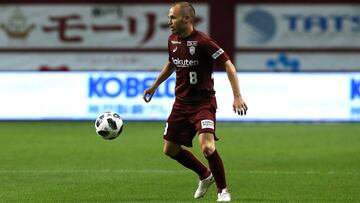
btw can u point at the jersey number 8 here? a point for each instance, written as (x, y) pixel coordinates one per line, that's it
(193, 77)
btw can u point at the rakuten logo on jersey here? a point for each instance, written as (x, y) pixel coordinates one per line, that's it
(184, 63)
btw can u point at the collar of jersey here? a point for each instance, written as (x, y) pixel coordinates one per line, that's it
(191, 34)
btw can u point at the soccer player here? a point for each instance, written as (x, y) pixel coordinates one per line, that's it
(192, 54)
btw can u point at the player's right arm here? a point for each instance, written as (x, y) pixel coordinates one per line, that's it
(165, 73)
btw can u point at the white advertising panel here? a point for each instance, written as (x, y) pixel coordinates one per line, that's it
(297, 26)
(88, 26)
(270, 96)
(80, 95)
(297, 61)
(102, 61)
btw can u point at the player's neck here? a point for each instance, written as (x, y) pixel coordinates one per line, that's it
(187, 32)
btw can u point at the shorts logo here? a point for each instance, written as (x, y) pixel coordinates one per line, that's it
(207, 124)
(217, 53)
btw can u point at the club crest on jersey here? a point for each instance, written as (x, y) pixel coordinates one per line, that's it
(192, 50)
(191, 45)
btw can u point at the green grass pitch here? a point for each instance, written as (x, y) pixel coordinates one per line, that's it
(65, 161)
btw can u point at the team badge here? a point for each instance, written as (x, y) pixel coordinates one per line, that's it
(192, 50)
(191, 45)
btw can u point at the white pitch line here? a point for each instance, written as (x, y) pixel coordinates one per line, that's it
(168, 171)
(305, 172)
(92, 171)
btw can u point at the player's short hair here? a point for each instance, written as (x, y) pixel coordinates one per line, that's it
(186, 9)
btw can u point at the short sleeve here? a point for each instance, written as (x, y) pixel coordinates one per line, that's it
(216, 53)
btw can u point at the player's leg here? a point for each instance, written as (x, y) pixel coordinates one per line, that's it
(207, 145)
(171, 149)
(185, 158)
(179, 131)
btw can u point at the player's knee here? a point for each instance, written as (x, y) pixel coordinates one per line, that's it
(170, 152)
(207, 149)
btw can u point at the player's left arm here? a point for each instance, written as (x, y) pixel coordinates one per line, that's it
(239, 105)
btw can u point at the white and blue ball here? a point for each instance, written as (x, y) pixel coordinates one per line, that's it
(109, 125)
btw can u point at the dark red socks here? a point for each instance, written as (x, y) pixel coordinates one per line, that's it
(217, 168)
(187, 159)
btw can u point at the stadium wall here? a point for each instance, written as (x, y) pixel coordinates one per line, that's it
(131, 35)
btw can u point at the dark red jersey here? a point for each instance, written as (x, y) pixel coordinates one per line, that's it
(194, 58)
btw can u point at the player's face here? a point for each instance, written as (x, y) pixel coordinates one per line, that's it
(176, 20)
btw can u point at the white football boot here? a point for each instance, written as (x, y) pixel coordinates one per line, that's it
(204, 186)
(224, 196)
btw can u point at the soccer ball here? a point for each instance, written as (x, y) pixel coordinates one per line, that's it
(109, 125)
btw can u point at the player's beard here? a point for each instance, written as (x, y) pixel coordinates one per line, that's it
(173, 31)
(178, 30)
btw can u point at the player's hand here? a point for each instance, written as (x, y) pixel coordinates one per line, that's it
(239, 106)
(148, 93)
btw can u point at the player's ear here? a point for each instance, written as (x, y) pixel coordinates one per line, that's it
(187, 18)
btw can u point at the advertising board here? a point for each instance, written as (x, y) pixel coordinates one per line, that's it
(270, 96)
(86, 26)
(298, 61)
(297, 26)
